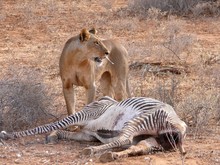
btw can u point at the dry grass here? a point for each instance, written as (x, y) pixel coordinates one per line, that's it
(200, 110)
(27, 94)
(180, 7)
(24, 100)
(173, 58)
(206, 9)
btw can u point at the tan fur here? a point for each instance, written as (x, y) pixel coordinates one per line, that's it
(77, 67)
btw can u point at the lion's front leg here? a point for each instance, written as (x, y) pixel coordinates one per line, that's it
(69, 96)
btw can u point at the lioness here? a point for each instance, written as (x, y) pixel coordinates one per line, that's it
(86, 58)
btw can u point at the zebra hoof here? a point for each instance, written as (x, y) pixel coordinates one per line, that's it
(87, 151)
(107, 157)
(5, 136)
(52, 138)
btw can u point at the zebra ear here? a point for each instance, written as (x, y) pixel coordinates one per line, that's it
(84, 35)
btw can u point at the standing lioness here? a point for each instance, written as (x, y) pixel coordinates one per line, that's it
(84, 59)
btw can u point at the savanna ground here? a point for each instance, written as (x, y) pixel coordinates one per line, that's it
(173, 57)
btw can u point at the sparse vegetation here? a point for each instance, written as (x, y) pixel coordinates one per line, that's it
(165, 76)
(180, 7)
(199, 110)
(174, 52)
(24, 100)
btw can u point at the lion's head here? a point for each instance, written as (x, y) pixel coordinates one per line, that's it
(94, 46)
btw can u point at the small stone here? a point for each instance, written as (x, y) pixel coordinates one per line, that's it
(16, 161)
(147, 158)
(18, 155)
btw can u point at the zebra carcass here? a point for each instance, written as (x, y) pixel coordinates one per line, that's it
(142, 124)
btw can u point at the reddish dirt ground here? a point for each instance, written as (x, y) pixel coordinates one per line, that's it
(33, 150)
(32, 36)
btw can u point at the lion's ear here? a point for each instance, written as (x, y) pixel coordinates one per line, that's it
(84, 35)
(93, 31)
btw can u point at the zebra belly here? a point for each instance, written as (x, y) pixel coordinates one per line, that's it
(113, 119)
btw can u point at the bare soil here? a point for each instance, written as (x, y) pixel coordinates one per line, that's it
(34, 151)
(33, 34)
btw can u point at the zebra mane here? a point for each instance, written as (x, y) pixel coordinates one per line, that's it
(107, 98)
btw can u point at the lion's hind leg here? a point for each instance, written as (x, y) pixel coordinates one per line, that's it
(120, 90)
(106, 85)
(143, 147)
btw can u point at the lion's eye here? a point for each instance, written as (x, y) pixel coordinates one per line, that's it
(96, 42)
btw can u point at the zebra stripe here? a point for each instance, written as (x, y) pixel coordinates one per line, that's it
(78, 117)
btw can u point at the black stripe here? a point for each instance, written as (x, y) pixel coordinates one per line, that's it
(125, 102)
(137, 102)
(146, 107)
(150, 121)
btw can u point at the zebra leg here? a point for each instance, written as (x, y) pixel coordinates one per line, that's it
(121, 141)
(61, 134)
(125, 138)
(143, 147)
(181, 149)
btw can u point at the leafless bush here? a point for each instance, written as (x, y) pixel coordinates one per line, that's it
(165, 86)
(24, 100)
(125, 25)
(199, 110)
(165, 89)
(107, 4)
(207, 8)
(197, 101)
(174, 46)
(155, 13)
(175, 42)
(173, 6)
